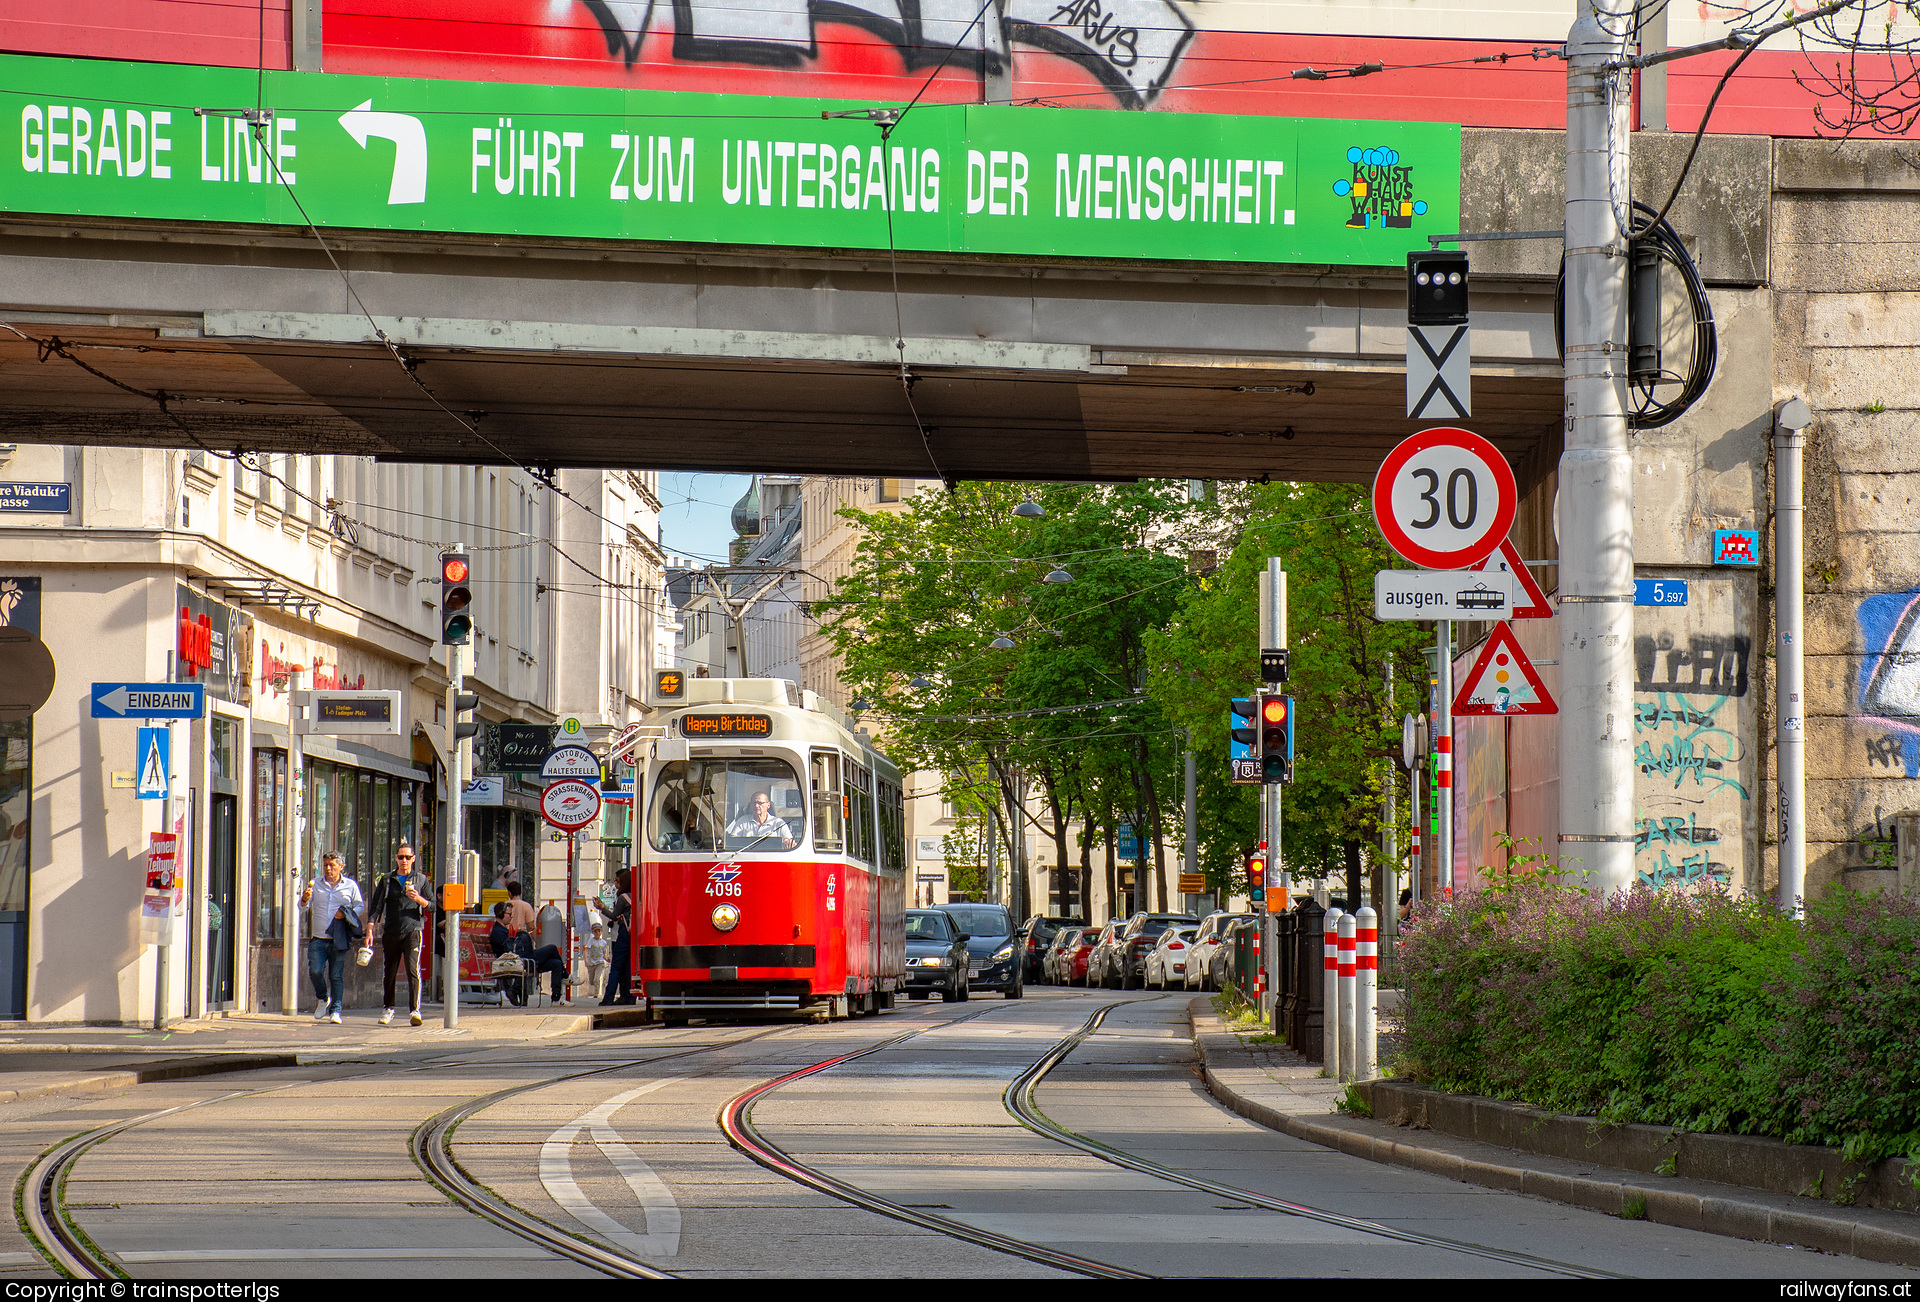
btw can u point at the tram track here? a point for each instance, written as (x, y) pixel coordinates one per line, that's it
(1019, 1101)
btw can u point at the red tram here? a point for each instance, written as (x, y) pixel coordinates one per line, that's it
(772, 874)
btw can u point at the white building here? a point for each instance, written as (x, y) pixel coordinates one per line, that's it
(163, 566)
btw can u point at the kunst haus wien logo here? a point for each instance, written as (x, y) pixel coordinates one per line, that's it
(1380, 190)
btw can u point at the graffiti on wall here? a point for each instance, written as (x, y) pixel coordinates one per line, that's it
(1888, 691)
(1131, 46)
(1695, 663)
(1689, 757)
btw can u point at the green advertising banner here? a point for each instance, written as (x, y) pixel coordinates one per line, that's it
(161, 141)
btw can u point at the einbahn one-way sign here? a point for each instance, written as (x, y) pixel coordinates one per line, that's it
(149, 701)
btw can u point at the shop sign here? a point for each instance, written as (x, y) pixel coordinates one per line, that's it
(107, 139)
(210, 645)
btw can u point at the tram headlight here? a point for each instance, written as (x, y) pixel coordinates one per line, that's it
(725, 917)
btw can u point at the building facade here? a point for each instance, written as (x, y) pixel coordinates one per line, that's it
(246, 576)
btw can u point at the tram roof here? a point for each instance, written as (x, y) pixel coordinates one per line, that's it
(781, 694)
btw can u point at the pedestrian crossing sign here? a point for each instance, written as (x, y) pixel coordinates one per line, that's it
(151, 762)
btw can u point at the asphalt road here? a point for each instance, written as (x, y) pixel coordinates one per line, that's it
(300, 1172)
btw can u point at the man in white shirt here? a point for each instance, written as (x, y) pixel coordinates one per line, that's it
(759, 826)
(332, 895)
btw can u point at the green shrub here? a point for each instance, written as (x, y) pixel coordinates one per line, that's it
(1696, 1011)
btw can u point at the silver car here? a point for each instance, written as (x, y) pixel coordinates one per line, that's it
(1207, 939)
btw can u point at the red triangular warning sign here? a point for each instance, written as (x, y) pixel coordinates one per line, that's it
(1530, 603)
(1503, 681)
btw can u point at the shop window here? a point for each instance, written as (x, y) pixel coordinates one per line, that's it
(269, 847)
(16, 802)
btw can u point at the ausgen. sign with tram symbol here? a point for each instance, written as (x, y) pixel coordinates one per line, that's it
(1444, 498)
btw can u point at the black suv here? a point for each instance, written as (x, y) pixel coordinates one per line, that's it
(1131, 948)
(1036, 935)
(995, 962)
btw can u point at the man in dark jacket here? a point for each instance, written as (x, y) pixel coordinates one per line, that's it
(620, 914)
(399, 909)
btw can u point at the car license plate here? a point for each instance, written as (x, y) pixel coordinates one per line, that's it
(975, 969)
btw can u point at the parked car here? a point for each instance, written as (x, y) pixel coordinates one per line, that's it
(1073, 961)
(1057, 950)
(1167, 960)
(1102, 951)
(1128, 969)
(936, 955)
(1207, 940)
(1036, 935)
(992, 948)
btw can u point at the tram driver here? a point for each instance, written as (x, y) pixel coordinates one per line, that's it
(759, 825)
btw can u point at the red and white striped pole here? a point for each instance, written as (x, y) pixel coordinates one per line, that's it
(1349, 932)
(1366, 1049)
(1330, 1016)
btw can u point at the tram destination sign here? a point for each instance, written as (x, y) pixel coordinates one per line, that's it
(94, 137)
(726, 725)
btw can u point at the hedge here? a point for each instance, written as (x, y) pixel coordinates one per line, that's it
(1697, 1011)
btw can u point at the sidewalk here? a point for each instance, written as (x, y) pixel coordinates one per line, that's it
(1277, 1088)
(36, 1061)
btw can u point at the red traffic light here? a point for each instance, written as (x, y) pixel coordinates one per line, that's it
(1256, 870)
(453, 569)
(1273, 710)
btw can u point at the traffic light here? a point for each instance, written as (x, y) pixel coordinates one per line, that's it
(456, 599)
(1257, 876)
(1276, 738)
(1241, 728)
(1436, 288)
(464, 724)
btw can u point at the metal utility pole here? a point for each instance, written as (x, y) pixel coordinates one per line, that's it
(1596, 468)
(1191, 861)
(1790, 424)
(458, 750)
(1273, 633)
(296, 838)
(1443, 754)
(1390, 846)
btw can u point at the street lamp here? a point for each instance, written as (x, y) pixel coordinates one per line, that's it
(1030, 510)
(1002, 643)
(919, 683)
(860, 703)
(1058, 576)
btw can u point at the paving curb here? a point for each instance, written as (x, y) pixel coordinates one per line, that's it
(1703, 1205)
(172, 1069)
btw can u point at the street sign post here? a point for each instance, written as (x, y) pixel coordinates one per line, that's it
(1444, 498)
(149, 701)
(569, 805)
(1503, 681)
(570, 761)
(153, 759)
(1442, 594)
(1439, 372)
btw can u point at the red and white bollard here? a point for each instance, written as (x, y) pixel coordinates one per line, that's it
(1349, 930)
(1330, 1016)
(1366, 1051)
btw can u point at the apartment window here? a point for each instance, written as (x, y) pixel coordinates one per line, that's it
(886, 490)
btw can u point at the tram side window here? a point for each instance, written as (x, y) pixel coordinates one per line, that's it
(893, 831)
(828, 807)
(752, 805)
(859, 812)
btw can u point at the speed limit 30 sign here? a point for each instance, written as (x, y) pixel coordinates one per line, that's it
(1444, 498)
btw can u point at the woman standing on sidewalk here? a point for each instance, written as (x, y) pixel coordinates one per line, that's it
(334, 897)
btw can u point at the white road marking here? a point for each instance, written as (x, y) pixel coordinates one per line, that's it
(662, 1238)
(1185, 1229)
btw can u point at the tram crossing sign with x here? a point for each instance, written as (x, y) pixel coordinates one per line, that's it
(1439, 372)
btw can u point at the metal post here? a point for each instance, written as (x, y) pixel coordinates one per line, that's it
(1366, 995)
(1390, 848)
(456, 774)
(1789, 613)
(1273, 633)
(1191, 860)
(1443, 755)
(296, 835)
(1349, 1030)
(163, 950)
(1330, 964)
(573, 890)
(1596, 467)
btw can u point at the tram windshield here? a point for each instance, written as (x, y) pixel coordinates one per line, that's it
(737, 803)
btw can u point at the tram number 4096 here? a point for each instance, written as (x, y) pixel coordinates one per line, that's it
(722, 883)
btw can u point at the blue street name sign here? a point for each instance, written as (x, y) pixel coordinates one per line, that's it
(1659, 592)
(39, 499)
(149, 701)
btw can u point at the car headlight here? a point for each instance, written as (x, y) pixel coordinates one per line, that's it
(1005, 951)
(932, 960)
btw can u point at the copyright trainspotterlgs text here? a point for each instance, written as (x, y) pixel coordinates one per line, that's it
(117, 1291)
